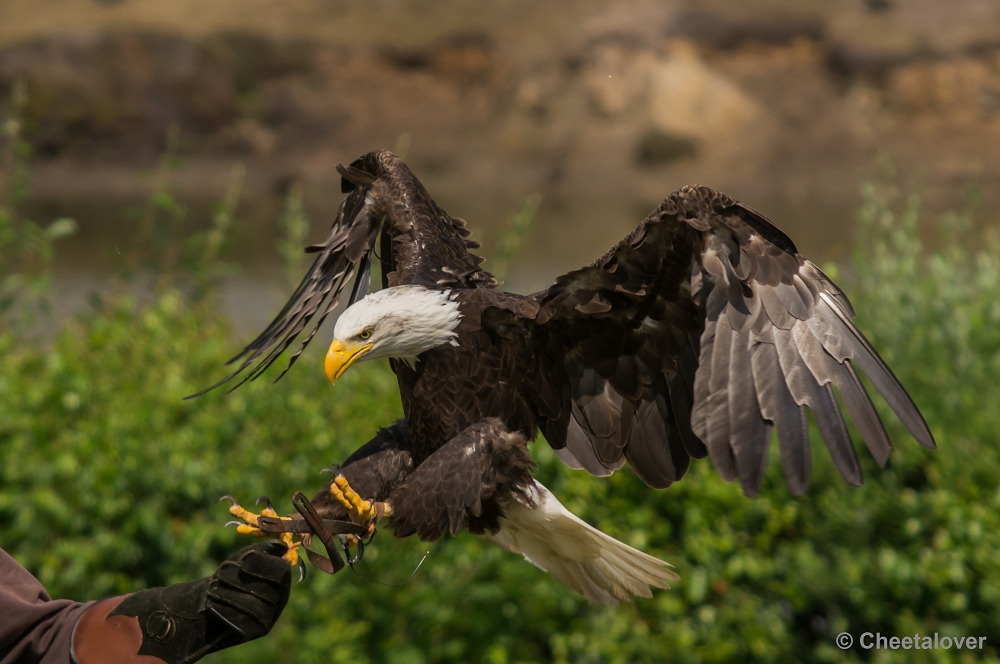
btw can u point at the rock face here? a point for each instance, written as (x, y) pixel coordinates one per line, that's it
(601, 107)
(688, 97)
(120, 92)
(673, 90)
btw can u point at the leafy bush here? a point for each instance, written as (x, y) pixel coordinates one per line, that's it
(109, 483)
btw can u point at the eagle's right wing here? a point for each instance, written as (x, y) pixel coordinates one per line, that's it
(420, 244)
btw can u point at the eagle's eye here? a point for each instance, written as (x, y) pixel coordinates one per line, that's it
(365, 334)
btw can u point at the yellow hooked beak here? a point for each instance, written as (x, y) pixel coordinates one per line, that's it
(339, 358)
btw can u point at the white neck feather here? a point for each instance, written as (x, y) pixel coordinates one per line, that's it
(405, 321)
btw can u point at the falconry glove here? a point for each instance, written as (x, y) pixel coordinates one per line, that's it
(184, 622)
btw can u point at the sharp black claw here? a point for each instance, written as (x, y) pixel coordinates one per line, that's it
(335, 469)
(266, 501)
(352, 560)
(302, 569)
(228, 497)
(233, 523)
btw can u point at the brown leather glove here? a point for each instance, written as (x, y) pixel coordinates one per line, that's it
(184, 622)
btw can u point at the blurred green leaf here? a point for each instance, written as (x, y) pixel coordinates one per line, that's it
(61, 228)
(295, 225)
(518, 227)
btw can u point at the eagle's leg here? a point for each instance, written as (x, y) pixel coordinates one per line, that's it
(250, 526)
(463, 483)
(361, 485)
(359, 510)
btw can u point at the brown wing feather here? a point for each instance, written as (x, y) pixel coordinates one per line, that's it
(428, 247)
(707, 307)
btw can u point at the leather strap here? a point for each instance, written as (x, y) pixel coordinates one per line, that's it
(98, 639)
(335, 562)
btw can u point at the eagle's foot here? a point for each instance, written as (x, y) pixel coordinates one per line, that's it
(358, 510)
(251, 526)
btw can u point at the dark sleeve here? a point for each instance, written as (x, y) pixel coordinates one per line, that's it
(33, 627)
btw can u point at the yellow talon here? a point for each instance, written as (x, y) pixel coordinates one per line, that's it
(244, 515)
(292, 555)
(360, 511)
(250, 527)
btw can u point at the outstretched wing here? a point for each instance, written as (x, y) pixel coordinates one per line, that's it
(697, 334)
(420, 244)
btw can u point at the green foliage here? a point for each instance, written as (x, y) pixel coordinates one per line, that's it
(206, 265)
(109, 482)
(25, 247)
(159, 225)
(518, 227)
(295, 224)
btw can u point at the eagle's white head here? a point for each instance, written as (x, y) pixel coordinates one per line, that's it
(400, 322)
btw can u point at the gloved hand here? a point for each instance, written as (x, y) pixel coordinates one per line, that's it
(185, 622)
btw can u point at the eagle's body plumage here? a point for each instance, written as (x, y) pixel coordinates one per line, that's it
(694, 336)
(453, 387)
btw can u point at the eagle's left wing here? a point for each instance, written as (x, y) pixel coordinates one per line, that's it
(697, 333)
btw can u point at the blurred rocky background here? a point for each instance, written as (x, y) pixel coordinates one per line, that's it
(596, 108)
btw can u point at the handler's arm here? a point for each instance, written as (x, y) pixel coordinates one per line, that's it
(179, 623)
(33, 627)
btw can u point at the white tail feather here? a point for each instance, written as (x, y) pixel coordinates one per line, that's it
(596, 565)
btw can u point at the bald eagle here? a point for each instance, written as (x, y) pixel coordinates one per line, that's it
(695, 336)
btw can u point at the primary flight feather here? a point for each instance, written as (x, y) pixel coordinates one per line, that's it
(695, 336)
